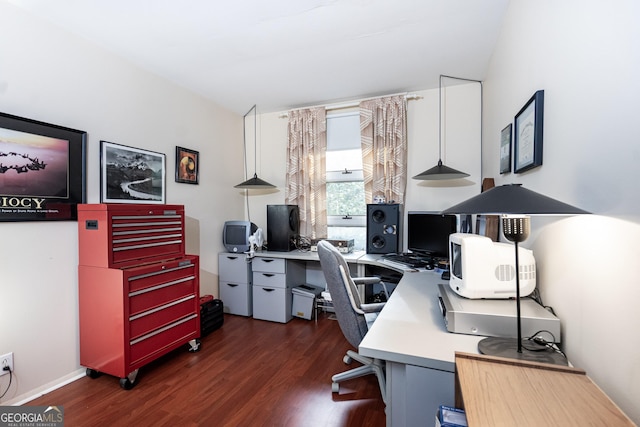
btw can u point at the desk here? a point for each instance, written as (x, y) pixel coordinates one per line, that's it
(507, 392)
(410, 335)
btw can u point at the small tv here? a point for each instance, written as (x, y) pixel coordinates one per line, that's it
(235, 235)
(428, 233)
(481, 268)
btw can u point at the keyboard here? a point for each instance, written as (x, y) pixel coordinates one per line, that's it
(410, 260)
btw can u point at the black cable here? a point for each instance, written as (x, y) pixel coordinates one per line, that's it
(9, 385)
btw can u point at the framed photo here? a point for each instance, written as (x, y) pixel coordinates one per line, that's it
(505, 149)
(187, 165)
(528, 134)
(42, 170)
(131, 175)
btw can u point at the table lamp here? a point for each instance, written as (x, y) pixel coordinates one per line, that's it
(514, 204)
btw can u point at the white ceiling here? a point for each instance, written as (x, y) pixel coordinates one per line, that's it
(281, 54)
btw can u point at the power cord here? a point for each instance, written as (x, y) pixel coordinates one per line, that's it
(538, 343)
(6, 368)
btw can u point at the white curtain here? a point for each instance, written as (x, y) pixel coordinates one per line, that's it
(383, 129)
(306, 169)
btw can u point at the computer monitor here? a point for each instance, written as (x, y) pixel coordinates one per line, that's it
(428, 233)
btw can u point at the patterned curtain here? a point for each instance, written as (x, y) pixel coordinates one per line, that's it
(383, 128)
(306, 169)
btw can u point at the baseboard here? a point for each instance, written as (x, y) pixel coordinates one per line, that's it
(46, 388)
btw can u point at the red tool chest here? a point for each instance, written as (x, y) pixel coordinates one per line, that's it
(138, 290)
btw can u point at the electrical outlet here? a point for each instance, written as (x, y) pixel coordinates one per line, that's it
(6, 360)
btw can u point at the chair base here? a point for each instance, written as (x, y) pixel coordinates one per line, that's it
(369, 366)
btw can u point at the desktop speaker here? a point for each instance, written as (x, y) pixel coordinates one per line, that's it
(383, 228)
(283, 227)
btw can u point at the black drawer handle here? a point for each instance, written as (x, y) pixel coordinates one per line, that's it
(268, 274)
(233, 285)
(267, 260)
(268, 289)
(232, 257)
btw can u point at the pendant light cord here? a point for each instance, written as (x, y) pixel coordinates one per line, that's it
(244, 138)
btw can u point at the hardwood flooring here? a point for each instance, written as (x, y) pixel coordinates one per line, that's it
(247, 373)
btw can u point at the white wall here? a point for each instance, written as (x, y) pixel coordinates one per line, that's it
(48, 75)
(585, 55)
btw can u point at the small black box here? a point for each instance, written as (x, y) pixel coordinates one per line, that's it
(211, 316)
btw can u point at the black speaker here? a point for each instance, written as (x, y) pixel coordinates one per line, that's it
(383, 228)
(283, 227)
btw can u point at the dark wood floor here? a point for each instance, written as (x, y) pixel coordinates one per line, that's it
(247, 373)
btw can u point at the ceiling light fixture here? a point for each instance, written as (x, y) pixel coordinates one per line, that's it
(255, 182)
(440, 171)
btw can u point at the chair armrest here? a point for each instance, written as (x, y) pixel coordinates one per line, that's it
(366, 280)
(372, 307)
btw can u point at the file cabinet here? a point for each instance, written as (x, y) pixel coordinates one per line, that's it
(234, 283)
(273, 279)
(138, 291)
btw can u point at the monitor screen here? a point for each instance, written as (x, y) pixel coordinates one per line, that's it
(428, 233)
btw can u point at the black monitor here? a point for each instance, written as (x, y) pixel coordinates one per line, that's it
(428, 233)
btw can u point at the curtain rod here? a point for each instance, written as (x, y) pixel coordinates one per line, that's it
(352, 104)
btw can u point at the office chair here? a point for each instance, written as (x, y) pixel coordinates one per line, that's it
(352, 315)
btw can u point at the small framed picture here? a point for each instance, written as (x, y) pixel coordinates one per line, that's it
(131, 175)
(187, 165)
(505, 149)
(528, 134)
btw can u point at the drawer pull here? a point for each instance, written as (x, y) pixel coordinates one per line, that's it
(268, 289)
(232, 257)
(148, 245)
(233, 285)
(163, 285)
(172, 215)
(268, 274)
(142, 239)
(161, 330)
(162, 307)
(155, 273)
(146, 224)
(267, 260)
(151, 230)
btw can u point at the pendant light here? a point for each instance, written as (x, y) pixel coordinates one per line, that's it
(440, 171)
(255, 182)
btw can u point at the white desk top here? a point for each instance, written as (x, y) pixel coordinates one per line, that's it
(306, 255)
(410, 328)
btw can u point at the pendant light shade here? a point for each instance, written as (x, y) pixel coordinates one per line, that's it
(255, 182)
(441, 171)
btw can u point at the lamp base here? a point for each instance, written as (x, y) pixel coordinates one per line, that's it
(508, 347)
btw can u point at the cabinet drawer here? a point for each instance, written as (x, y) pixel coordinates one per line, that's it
(274, 280)
(236, 297)
(156, 296)
(150, 277)
(179, 332)
(163, 315)
(234, 267)
(272, 304)
(269, 265)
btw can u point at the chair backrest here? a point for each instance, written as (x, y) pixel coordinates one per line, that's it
(352, 324)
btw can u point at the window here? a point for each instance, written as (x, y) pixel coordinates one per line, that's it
(346, 207)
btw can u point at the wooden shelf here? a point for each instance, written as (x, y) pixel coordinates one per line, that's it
(495, 391)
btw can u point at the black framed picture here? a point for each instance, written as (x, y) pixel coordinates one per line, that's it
(42, 170)
(528, 134)
(131, 175)
(187, 165)
(505, 149)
